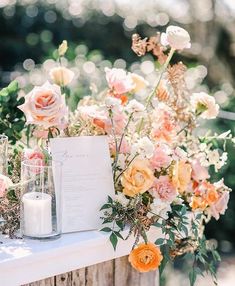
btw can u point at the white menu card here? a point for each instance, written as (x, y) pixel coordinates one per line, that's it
(86, 180)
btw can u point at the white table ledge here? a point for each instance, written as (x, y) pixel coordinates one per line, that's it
(25, 261)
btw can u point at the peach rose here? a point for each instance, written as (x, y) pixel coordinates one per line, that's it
(5, 183)
(61, 76)
(181, 175)
(145, 257)
(45, 106)
(137, 179)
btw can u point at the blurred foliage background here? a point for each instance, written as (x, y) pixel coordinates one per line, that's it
(99, 34)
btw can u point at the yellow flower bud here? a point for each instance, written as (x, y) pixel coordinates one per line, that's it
(63, 48)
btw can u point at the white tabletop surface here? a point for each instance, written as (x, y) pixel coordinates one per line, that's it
(24, 261)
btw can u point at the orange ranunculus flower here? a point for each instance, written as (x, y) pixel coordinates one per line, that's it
(181, 175)
(137, 179)
(145, 257)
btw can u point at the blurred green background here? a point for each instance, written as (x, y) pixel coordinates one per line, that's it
(99, 34)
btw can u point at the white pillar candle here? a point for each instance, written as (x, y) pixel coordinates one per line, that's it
(37, 214)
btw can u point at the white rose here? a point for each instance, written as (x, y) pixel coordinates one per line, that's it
(45, 105)
(61, 76)
(204, 105)
(178, 38)
(144, 147)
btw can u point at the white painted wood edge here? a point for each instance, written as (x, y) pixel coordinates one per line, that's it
(25, 261)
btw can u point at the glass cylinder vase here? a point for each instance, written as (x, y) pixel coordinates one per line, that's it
(3, 154)
(40, 199)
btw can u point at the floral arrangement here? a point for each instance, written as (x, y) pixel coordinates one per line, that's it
(161, 166)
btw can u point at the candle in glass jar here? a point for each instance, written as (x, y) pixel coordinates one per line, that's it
(37, 214)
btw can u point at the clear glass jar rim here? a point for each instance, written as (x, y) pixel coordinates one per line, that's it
(33, 163)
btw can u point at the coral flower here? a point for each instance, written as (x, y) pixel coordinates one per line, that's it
(146, 257)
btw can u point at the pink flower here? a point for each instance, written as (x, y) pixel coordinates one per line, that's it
(124, 148)
(199, 173)
(33, 154)
(5, 183)
(40, 133)
(119, 81)
(45, 106)
(220, 206)
(164, 126)
(119, 123)
(161, 158)
(163, 189)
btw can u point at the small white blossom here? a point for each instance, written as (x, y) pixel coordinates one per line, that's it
(178, 201)
(134, 107)
(220, 185)
(121, 199)
(160, 208)
(112, 102)
(212, 157)
(144, 147)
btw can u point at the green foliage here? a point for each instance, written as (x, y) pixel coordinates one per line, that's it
(12, 119)
(177, 242)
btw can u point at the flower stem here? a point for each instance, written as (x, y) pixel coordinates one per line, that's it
(149, 99)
